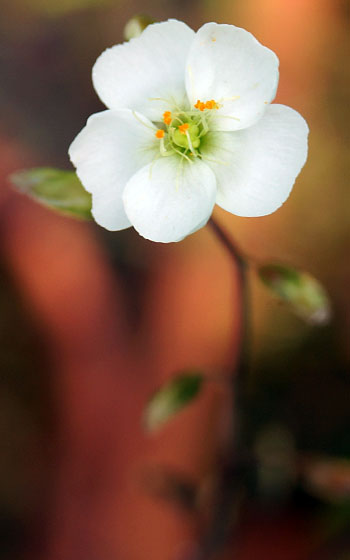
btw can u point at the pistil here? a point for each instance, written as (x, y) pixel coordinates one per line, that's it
(185, 129)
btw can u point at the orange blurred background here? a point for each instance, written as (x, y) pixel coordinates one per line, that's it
(92, 322)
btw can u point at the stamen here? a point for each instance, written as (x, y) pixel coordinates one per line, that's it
(205, 127)
(177, 118)
(183, 128)
(189, 142)
(212, 104)
(182, 154)
(167, 117)
(141, 121)
(164, 152)
(200, 105)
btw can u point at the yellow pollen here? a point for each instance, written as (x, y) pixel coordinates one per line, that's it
(212, 104)
(160, 133)
(200, 105)
(167, 117)
(183, 128)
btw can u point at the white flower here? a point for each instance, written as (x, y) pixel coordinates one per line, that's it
(189, 124)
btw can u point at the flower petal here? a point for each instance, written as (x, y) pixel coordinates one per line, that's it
(108, 211)
(106, 153)
(260, 164)
(228, 64)
(150, 66)
(169, 199)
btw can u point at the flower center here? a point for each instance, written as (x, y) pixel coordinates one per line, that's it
(183, 130)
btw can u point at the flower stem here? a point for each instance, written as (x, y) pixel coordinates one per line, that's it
(236, 461)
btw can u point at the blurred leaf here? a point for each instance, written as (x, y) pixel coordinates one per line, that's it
(53, 9)
(136, 25)
(171, 398)
(328, 478)
(301, 291)
(57, 189)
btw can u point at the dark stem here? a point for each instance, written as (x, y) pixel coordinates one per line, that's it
(236, 462)
(238, 378)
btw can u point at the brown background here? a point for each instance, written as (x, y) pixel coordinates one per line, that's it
(91, 322)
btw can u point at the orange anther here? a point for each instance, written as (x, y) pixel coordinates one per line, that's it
(200, 105)
(184, 127)
(207, 105)
(167, 117)
(160, 133)
(211, 104)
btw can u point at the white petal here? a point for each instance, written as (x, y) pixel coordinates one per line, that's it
(149, 66)
(168, 200)
(260, 164)
(106, 153)
(108, 211)
(228, 64)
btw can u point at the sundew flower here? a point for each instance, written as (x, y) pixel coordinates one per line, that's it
(189, 124)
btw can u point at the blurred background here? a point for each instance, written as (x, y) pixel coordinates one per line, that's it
(92, 322)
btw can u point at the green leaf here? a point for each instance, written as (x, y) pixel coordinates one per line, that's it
(134, 27)
(301, 291)
(57, 189)
(171, 398)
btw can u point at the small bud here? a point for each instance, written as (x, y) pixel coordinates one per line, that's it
(136, 25)
(301, 291)
(171, 398)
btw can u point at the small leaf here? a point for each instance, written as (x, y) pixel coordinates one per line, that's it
(134, 27)
(301, 291)
(59, 190)
(171, 398)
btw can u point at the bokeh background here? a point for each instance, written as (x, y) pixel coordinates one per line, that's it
(92, 322)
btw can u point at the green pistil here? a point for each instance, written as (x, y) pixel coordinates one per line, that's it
(186, 141)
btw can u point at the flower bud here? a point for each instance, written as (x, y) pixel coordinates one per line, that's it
(136, 25)
(303, 293)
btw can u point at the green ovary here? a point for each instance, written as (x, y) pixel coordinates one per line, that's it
(181, 139)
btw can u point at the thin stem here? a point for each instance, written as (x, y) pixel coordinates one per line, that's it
(229, 244)
(239, 370)
(236, 461)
